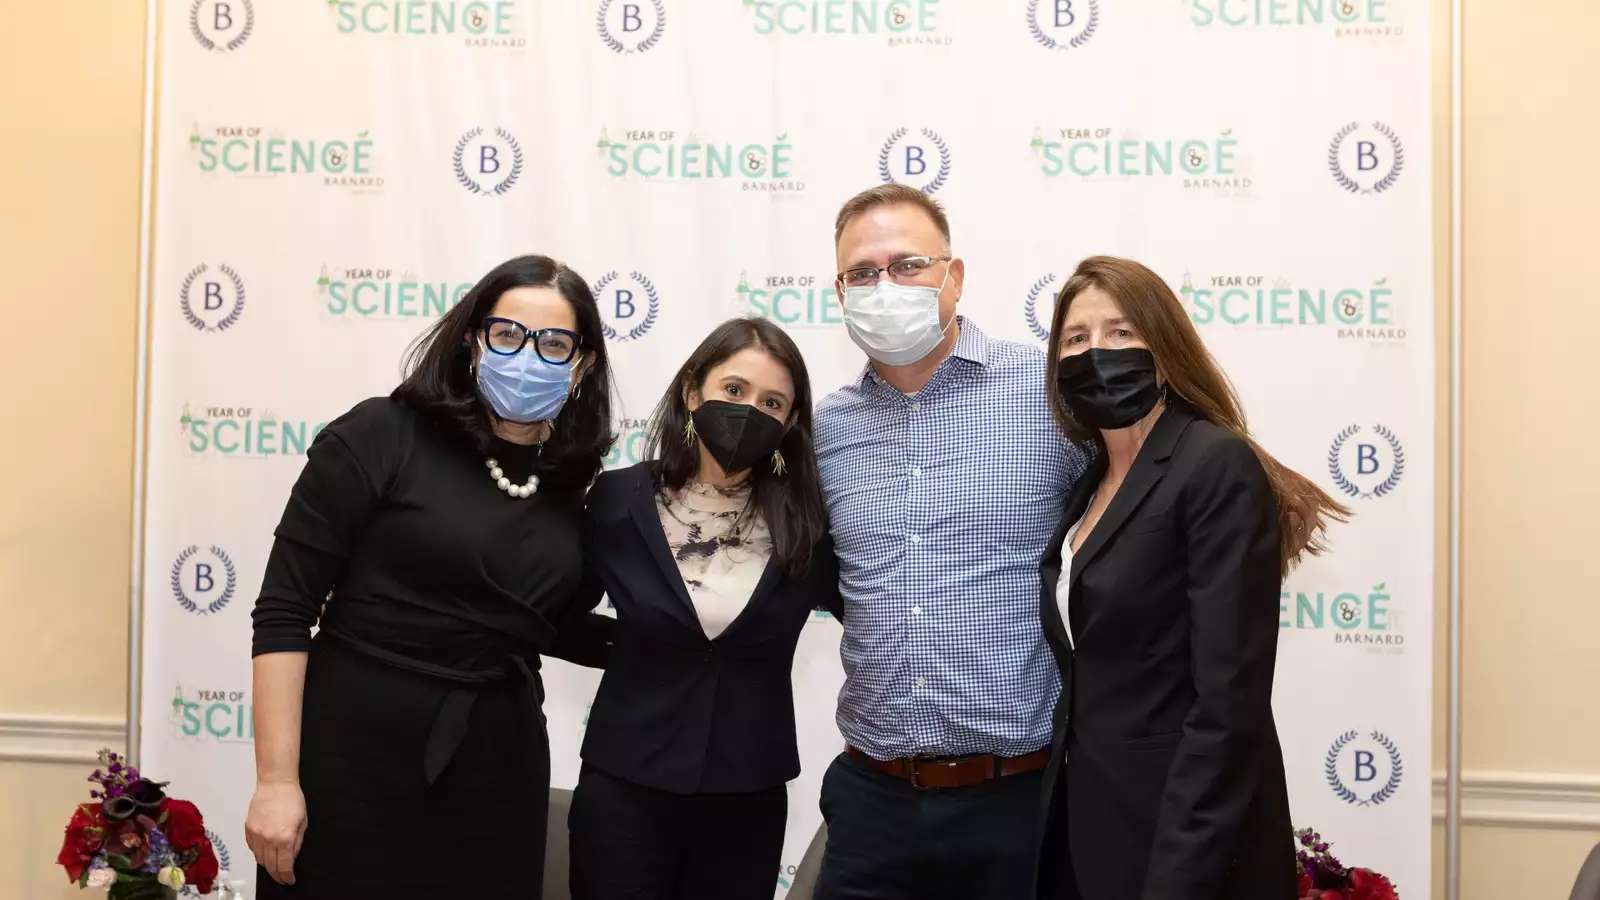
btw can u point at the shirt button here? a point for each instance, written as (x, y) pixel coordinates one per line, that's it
(916, 471)
(921, 682)
(916, 610)
(916, 539)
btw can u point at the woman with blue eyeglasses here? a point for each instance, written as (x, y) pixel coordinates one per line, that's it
(433, 539)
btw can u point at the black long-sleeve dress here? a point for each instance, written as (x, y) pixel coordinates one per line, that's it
(423, 753)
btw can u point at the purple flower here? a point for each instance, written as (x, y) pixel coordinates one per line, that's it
(160, 852)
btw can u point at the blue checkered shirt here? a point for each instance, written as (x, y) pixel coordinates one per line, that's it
(940, 506)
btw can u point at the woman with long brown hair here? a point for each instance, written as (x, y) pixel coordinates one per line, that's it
(1160, 601)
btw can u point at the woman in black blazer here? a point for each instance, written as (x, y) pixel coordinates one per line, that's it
(714, 555)
(1160, 602)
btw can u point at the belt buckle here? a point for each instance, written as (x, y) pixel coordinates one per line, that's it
(914, 770)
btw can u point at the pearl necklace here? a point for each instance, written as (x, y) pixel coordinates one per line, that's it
(516, 491)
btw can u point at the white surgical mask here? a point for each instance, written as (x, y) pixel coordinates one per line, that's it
(895, 324)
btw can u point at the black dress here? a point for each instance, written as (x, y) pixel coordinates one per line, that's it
(423, 753)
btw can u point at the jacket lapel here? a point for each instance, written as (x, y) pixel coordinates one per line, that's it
(648, 521)
(771, 577)
(1148, 469)
(1050, 569)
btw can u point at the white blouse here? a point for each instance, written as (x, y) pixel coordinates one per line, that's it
(1064, 585)
(721, 547)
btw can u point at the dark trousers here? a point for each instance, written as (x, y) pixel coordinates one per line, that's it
(890, 841)
(631, 842)
(1056, 878)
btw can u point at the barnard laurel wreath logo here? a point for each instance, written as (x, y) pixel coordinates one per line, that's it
(619, 305)
(207, 303)
(906, 162)
(195, 580)
(488, 166)
(1366, 159)
(1030, 306)
(1066, 24)
(1365, 771)
(1363, 469)
(627, 33)
(222, 26)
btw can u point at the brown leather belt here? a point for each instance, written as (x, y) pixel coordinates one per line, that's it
(954, 771)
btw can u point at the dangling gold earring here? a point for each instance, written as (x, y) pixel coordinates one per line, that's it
(778, 465)
(689, 434)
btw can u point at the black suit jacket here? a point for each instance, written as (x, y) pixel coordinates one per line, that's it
(678, 711)
(1166, 779)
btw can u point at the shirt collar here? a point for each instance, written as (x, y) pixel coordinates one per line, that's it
(972, 346)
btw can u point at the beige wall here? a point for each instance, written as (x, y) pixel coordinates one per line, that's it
(68, 242)
(1532, 256)
(69, 179)
(1531, 88)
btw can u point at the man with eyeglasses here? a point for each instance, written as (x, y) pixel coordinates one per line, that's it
(944, 478)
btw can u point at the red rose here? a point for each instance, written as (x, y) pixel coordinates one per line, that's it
(86, 835)
(202, 873)
(183, 824)
(1366, 884)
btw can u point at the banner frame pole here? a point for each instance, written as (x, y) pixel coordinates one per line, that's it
(1452, 841)
(141, 383)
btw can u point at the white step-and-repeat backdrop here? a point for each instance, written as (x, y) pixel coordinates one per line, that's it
(332, 176)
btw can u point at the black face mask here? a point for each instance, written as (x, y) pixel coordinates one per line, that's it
(1109, 389)
(737, 434)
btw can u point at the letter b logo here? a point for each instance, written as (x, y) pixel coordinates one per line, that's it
(1366, 156)
(1366, 459)
(631, 20)
(488, 159)
(1365, 769)
(916, 164)
(203, 582)
(1064, 14)
(222, 16)
(213, 300)
(625, 305)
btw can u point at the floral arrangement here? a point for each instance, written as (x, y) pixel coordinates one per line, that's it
(1323, 877)
(134, 840)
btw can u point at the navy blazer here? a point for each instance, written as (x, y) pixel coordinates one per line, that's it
(676, 710)
(1166, 780)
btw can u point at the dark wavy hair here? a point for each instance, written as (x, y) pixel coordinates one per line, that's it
(791, 503)
(439, 381)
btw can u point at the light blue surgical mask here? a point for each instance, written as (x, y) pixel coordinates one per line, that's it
(523, 387)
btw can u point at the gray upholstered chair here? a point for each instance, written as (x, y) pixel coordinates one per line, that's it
(1587, 887)
(805, 874)
(556, 885)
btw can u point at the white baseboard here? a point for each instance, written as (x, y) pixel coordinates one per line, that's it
(1524, 799)
(58, 739)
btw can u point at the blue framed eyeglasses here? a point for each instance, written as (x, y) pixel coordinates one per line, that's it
(507, 337)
